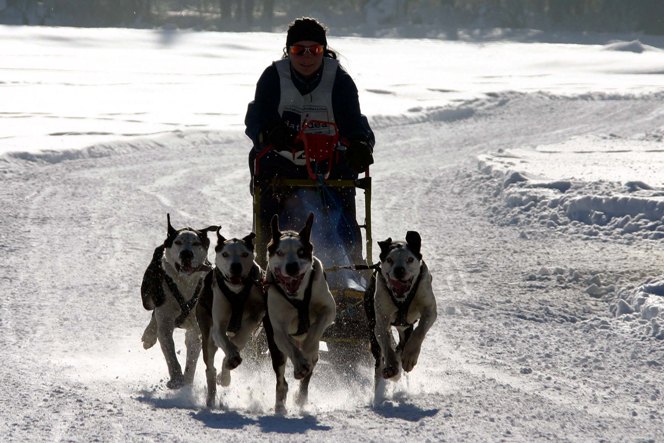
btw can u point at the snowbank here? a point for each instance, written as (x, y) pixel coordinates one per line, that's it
(642, 309)
(608, 186)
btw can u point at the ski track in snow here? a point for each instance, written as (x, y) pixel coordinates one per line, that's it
(521, 350)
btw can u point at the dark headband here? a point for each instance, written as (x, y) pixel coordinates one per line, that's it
(306, 29)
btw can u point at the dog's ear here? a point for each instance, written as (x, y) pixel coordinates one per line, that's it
(274, 224)
(171, 229)
(172, 233)
(204, 237)
(220, 241)
(220, 238)
(249, 241)
(385, 248)
(211, 228)
(414, 243)
(305, 233)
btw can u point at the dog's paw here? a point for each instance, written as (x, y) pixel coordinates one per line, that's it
(224, 378)
(390, 371)
(175, 382)
(409, 358)
(409, 363)
(379, 391)
(149, 337)
(280, 409)
(302, 370)
(301, 399)
(210, 401)
(233, 361)
(147, 344)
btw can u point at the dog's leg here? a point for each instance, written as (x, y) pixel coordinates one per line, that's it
(311, 343)
(204, 320)
(165, 335)
(383, 331)
(209, 351)
(225, 375)
(301, 366)
(390, 359)
(370, 311)
(303, 392)
(192, 339)
(282, 389)
(379, 388)
(149, 337)
(232, 357)
(413, 344)
(279, 366)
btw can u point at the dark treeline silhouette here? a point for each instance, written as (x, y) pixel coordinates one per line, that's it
(645, 16)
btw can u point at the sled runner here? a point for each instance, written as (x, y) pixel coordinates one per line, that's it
(322, 191)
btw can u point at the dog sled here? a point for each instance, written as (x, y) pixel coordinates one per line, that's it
(347, 267)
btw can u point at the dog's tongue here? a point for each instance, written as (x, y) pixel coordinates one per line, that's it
(186, 268)
(290, 284)
(400, 287)
(236, 280)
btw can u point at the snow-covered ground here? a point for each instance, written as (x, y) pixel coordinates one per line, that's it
(532, 171)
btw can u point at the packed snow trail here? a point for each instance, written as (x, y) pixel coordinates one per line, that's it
(511, 357)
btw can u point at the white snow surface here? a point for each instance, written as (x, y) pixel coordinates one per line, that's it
(532, 171)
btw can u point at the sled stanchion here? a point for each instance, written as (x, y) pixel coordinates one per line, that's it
(257, 225)
(367, 217)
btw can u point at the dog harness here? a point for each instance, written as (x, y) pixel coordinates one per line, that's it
(185, 306)
(404, 305)
(302, 306)
(236, 300)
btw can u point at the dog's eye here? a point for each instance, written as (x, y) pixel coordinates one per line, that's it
(197, 243)
(245, 254)
(178, 242)
(225, 254)
(411, 259)
(280, 253)
(300, 252)
(389, 260)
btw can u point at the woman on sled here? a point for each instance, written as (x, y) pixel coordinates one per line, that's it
(307, 91)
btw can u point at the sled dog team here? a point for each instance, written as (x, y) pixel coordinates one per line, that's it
(222, 305)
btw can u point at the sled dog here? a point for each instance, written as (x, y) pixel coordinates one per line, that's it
(300, 308)
(171, 286)
(230, 308)
(399, 295)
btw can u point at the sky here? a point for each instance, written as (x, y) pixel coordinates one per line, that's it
(532, 171)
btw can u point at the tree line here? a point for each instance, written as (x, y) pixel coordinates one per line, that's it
(571, 15)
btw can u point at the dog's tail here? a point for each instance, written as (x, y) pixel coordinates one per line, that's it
(152, 292)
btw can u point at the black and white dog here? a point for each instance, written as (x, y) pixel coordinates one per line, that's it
(230, 308)
(170, 288)
(300, 308)
(400, 295)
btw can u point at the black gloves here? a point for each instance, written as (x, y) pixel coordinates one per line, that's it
(359, 155)
(279, 135)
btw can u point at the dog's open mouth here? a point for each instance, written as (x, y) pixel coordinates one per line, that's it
(234, 279)
(401, 287)
(289, 283)
(186, 268)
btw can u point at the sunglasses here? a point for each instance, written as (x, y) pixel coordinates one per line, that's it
(301, 50)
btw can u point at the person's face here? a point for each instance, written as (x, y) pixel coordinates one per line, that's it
(306, 57)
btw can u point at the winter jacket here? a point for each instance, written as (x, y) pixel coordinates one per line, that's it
(263, 111)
